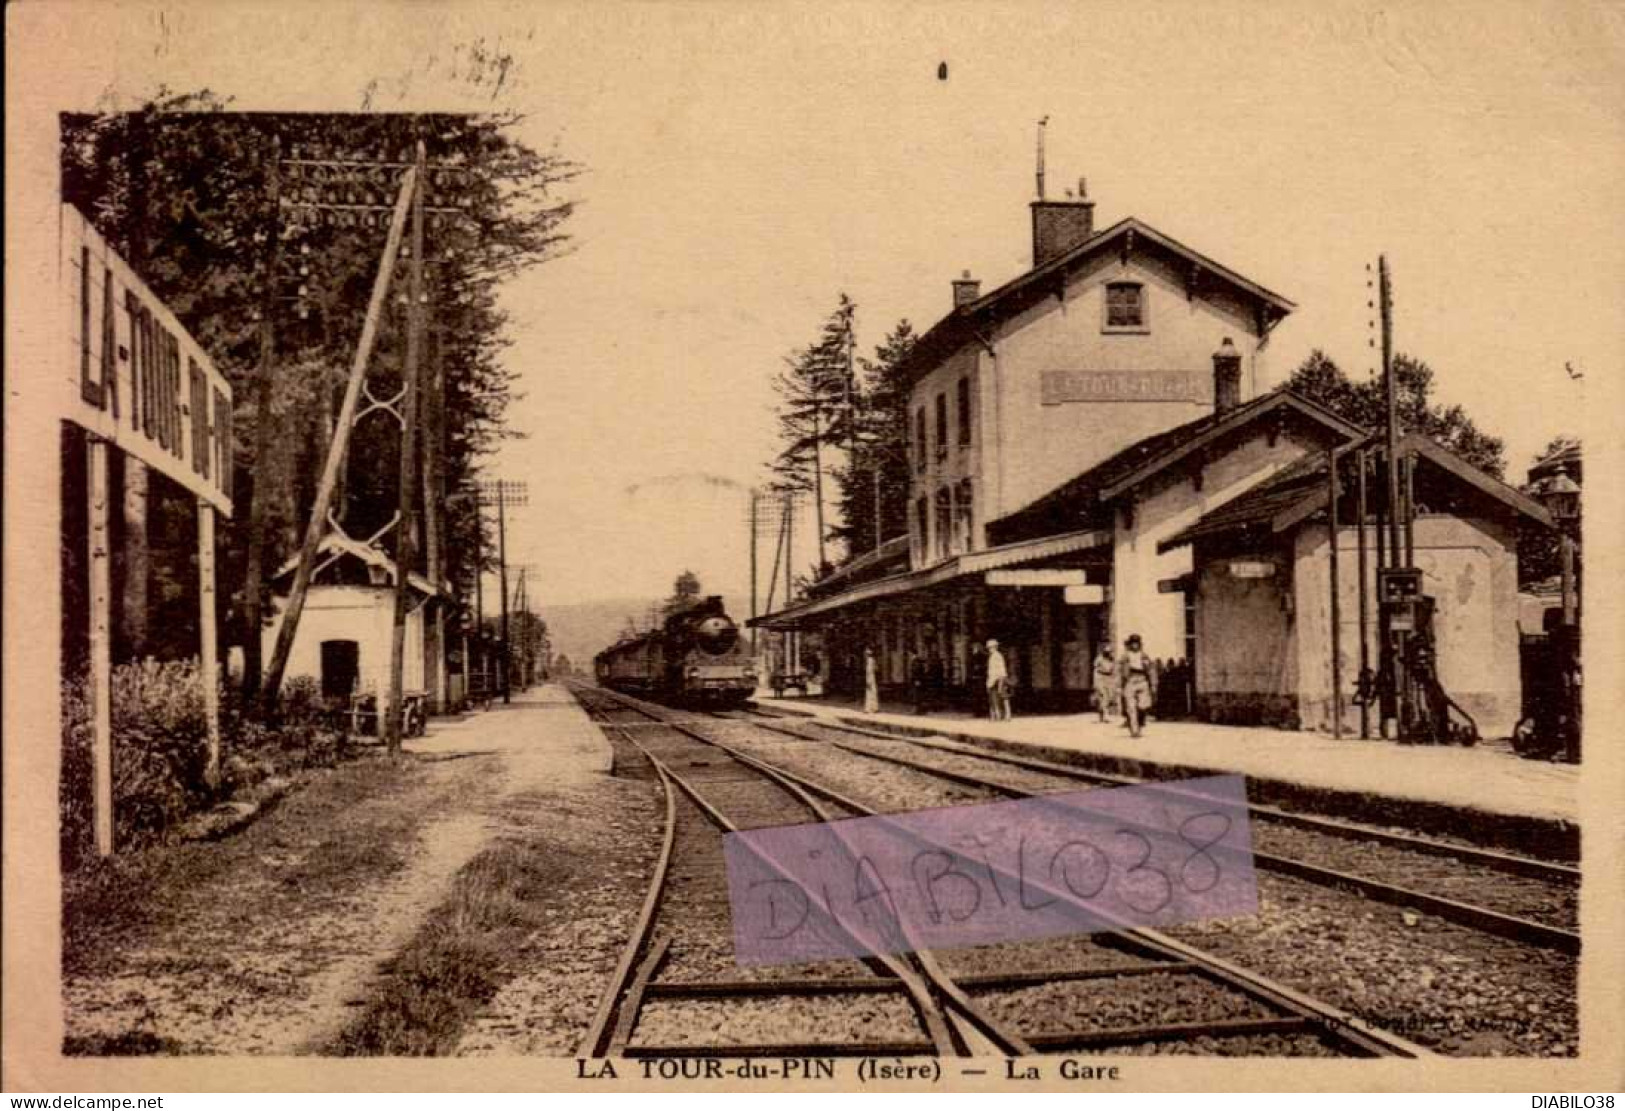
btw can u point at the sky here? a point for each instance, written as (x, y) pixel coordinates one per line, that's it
(746, 164)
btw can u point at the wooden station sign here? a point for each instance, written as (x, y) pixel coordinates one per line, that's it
(131, 374)
(1057, 576)
(1093, 595)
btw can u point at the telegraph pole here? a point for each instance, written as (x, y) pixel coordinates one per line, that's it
(755, 499)
(409, 477)
(1392, 642)
(317, 524)
(1385, 302)
(254, 573)
(502, 573)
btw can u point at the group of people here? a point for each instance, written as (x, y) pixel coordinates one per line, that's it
(1124, 682)
(927, 675)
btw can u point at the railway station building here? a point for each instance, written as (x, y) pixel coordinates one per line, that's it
(1092, 457)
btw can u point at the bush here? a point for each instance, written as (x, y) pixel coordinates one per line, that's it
(160, 753)
(160, 750)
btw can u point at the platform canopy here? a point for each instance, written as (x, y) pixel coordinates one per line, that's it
(956, 567)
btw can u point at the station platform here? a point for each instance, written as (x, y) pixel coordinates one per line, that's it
(1485, 793)
(542, 734)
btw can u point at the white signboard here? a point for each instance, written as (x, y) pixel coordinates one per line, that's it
(132, 375)
(1058, 576)
(1248, 569)
(1056, 387)
(1086, 595)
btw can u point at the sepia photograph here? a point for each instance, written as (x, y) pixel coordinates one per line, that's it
(972, 547)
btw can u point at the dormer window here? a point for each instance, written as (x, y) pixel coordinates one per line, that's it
(1125, 307)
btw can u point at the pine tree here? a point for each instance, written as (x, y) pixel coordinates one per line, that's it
(816, 389)
(685, 594)
(878, 471)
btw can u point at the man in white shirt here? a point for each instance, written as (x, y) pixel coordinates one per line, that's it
(998, 683)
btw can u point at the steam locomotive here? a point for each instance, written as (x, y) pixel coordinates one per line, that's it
(696, 656)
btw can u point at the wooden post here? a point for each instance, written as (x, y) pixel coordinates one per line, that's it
(434, 536)
(789, 582)
(1337, 612)
(1361, 460)
(502, 574)
(317, 525)
(479, 596)
(208, 647)
(755, 499)
(101, 647)
(409, 476)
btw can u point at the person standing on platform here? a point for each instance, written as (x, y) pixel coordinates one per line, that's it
(977, 679)
(871, 682)
(1105, 682)
(936, 680)
(998, 684)
(917, 677)
(1135, 667)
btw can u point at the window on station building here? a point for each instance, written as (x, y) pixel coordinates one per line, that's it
(945, 521)
(964, 516)
(919, 439)
(1125, 305)
(942, 426)
(922, 527)
(964, 411)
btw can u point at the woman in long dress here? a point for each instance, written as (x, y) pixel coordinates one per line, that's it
(871, 682)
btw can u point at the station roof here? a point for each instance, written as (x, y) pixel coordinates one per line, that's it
(969, 322)
(336, 546)
(970, 563)
(1082, 499)
(1300, 490)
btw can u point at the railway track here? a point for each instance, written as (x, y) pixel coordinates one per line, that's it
(1149, 990)
(1530, 901)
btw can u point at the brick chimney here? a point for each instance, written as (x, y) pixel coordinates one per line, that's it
(1059, 226)
(966, 289)
(1226, 377)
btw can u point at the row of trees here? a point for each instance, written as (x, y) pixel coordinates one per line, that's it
(206, 204)
(844, 417)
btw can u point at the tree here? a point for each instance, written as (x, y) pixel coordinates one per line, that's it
(685, 594)
(815, 389)
(1364, 403)
(183, 189)
(878, 470)
(1540, 550)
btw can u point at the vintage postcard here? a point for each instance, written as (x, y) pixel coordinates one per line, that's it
(978, 547)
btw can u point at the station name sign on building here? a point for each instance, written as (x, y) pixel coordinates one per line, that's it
(133, 376)
(1052, 576)
(1056, 387)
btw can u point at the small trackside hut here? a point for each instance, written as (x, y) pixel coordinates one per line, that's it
(344, 635)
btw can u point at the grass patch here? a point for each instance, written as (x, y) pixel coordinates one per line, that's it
(132, 1043)
(343, 826)
(466, 950)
